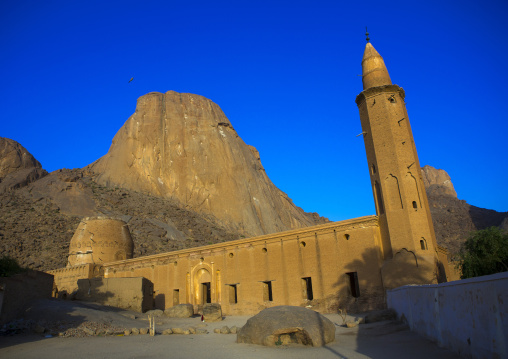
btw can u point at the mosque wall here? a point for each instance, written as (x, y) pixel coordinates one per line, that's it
(326, 267)
(66, 279)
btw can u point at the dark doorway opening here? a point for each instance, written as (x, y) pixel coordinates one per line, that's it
(307, 285)
(206, 292)
(267, 291)
(353, 283)
(233, 294)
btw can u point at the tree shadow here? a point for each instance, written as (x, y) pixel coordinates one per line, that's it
(360, 288)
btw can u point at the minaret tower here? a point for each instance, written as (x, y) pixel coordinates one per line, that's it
(408, 241)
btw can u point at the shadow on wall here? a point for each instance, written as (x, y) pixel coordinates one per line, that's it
(362, 286)
(359, 288)
(160, 301)
(396, 337)
(132, 293)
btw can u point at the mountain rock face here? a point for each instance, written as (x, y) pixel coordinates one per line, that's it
(455, 219)
(40, 212)
(182, 146)
(438, 181)
(18, 167)
(38, 221)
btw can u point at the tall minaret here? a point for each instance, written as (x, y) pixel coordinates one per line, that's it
(407, 233)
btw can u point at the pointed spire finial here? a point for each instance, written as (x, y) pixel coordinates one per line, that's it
(367, 34)
(374, 72)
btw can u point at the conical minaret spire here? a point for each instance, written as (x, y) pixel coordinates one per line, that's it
(374, 72)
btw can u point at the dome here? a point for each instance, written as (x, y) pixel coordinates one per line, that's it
(100, 240)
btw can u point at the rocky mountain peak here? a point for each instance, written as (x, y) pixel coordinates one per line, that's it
(182, 146)
(17, 166)
(438, 181)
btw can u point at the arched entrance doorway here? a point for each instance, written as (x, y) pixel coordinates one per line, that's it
(202, 286)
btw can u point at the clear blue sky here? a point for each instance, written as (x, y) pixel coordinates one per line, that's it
(284, 72)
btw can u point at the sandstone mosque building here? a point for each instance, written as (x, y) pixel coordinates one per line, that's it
(347, 264)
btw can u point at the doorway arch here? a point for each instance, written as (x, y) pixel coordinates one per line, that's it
(202, 284)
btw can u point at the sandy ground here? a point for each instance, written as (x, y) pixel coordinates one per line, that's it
(381, 340)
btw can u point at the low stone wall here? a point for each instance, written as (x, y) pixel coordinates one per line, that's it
(66, 279)
(467, 316)
(18, 291)
(127, 293)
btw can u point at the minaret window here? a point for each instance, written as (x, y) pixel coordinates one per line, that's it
(423, 244)
(415, 205)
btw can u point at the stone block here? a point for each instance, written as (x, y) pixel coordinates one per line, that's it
(180, 311)
(212, 312)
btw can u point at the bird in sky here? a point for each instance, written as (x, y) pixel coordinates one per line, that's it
(132, 78)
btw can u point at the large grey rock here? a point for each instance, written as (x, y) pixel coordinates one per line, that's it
(180, 311)
(286, 324)
(212, 312)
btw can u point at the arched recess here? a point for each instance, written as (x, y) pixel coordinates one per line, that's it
(202, 283)
(378, 198)
(393, 197)
(412, 190)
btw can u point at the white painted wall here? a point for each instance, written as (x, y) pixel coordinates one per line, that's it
(468, 316)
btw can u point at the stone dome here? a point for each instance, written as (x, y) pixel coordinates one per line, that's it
(100, 240)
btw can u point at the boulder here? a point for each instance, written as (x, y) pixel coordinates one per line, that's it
(287, 324)
(180, 311)
(212, 312)
(225, 330)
